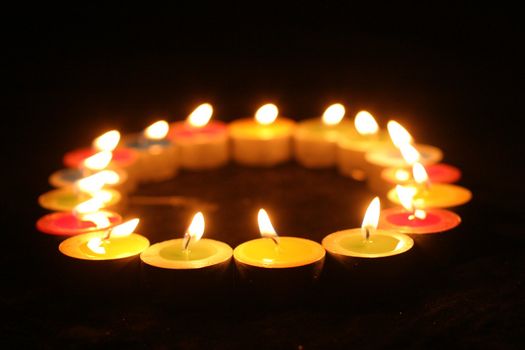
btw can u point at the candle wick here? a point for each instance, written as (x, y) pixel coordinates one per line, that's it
(367, 233)
(187, 239)
(274, 239)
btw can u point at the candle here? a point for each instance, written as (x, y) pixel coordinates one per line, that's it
(427, 195)
(263, 141)
(67, 198)
(353, 145)
(203, 144)
(292, 263)
(104, 262)
(122, 157)
(118, 179)
(315, 140)
(83, 219)
(367, 241)
(158, 156)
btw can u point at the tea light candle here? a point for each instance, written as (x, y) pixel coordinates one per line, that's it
(122, 157)
(68, 177)
(158, 156)
(203, 144)
(190, 252)
(410, 219)
(263, 141)
(315, 140)
(353, 145)
(367, 241)
(427, 195)
(84, 218)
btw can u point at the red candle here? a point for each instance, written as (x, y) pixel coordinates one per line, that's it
(404, 221)
(122, 157)
(69, 224)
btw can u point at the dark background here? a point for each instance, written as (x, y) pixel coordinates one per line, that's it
(452, 74)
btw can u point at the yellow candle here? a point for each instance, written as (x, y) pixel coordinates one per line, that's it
(120, 243)
(315, 140)
(274, 251)
(263, 141)
(190, 252)
(436, 196)
(367, 241)
(67, 198)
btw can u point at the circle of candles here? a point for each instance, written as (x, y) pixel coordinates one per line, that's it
(353, 145)
(203, 143)
(263, 141)
(67, 198)
(69, 224)
(315, 140)
(68, 177)
(158, 156)
(437, 196)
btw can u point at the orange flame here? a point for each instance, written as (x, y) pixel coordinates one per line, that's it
(333, 114)
(266, 114)
(365, 123)
(201, 115)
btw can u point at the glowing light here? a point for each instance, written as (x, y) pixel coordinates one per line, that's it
(409, 153)
(402, 175)
(371, 219)
(96, 245)
(201, 115)
(365, 123)
(157, 130)
(266, 227)
(195, 231)
(406, 198)
(98, 161)
(333, 114)
(399, 135)
(267, 114)
(89, 206)
(107, 142)
(420, 173)
(124, 230)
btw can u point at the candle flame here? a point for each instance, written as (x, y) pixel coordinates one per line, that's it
(90, 184)
(107, 142)
(371, 219)
(399, 135)
(420, 173)
(89, 206)
(195, 231)
(95, 244)
(100, 220)
(406, 196)
(402, 175)
(266, 114)
(124, 229)
(157, 130)
(98, 161)
(201, 115)
(333, 114)
(409, 153)
(266, 227)
(110, 177)
(365, 123)
(102, 195)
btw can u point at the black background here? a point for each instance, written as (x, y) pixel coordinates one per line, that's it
(452, 74)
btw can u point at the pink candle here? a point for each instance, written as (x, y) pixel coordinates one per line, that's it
(404, 221)
(69, 224)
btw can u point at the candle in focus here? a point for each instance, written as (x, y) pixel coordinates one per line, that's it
(315, 140)
(262, 141)
(203, 143)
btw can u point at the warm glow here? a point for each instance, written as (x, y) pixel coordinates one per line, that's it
(98, 161)
(371, 219)
(90, 184)
(201, 115)
(399, 135)
(365, 123)
(334, 114)
(89, 206)
(100, 220)
(266, 227)
(110, 177)
(402, 175)
(267, 114)
(409, 153)
(107, 142)
(157, 130)
(406, 198)
(195, 230)
(95, 244)
(419, 172)
(104, 196)
(124, 229)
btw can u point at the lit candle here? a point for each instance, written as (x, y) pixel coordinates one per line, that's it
(367, 241)
(410, 219)
(315, 140)
(189, 252)
(67, 198)
(264, 140)
(353, 145)
(429, 195)
(122, 157)
(290, 262)
(158, 156)
(203, 143)
(85, 218)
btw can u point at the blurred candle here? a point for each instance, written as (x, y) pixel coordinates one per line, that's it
(264, 140)
(203, 143)
(158, 156)
(315, 140)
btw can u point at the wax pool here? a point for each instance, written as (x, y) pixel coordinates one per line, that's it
(256, 144)
(203, 147)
